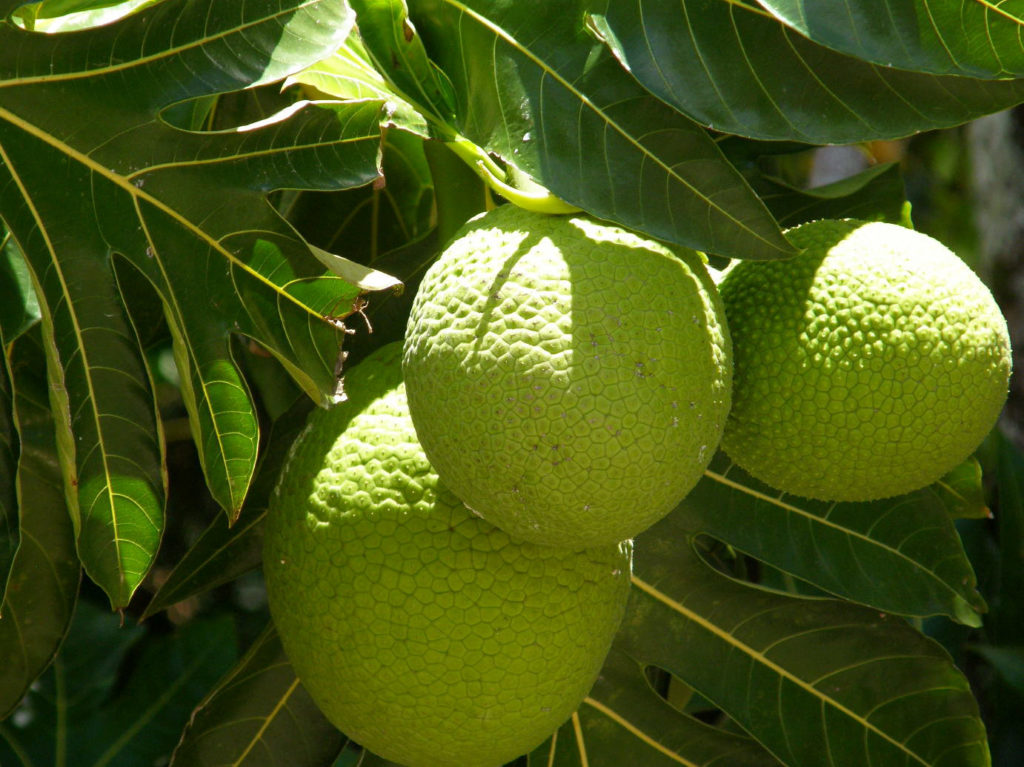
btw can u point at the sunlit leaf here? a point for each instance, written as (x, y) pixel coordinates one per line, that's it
(19, 309)
(186, 210)
(978, 39)
(815, 681)
(534, 86)
(349, 75)
(53, 16)
(259, 715)
(733, 67)
(392, 44)
(45, 572)
(899, 555)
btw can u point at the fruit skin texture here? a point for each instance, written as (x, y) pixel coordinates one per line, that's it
(568, 380)
(423, 632)
(866, 367)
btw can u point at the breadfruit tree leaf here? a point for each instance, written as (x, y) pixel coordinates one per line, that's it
(118, 695)
(348, 74)
(976, 39)
(258, 715)
(901, 555)
(66, 15)
(187, 210)
(18, 311)
(44, 574)
(875, 194)
(369, 222)
(397, 52)
(735, 68)
(534, 86)
(225, 551)
(815, 681)
(623, 721)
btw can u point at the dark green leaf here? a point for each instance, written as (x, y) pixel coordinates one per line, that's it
(900, 555)
(77, 684)
(186, 210)
(44, 575)
(533, 86)
(259, 715)
(119, 697)
(224, 552)
(815, 681)
(623, 721)
(876, 194)
(733, 67)
(978, 39)
(361, 224)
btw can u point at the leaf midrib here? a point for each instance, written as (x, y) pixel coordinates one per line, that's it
(759, 657)
(166, 53)
(826, 522)
(137, 194)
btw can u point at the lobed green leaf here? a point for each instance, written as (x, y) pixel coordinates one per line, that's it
(900, 555)
(225, 551)
(815, 681)
(186, 210)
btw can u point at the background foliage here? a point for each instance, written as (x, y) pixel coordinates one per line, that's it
(197, 198)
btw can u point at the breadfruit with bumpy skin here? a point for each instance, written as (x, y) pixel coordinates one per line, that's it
(569, 380)
(423, 632)
(866, 367)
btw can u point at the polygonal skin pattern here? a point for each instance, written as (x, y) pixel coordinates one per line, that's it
(866, 367)
(569, 380)
(423, 632)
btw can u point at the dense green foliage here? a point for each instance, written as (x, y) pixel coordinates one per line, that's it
(205, 206)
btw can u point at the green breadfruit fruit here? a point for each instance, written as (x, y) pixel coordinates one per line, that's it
(569, 380)
(867, 366)
(422, 631)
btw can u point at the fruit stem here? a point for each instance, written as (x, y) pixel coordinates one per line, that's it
(524, 191)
